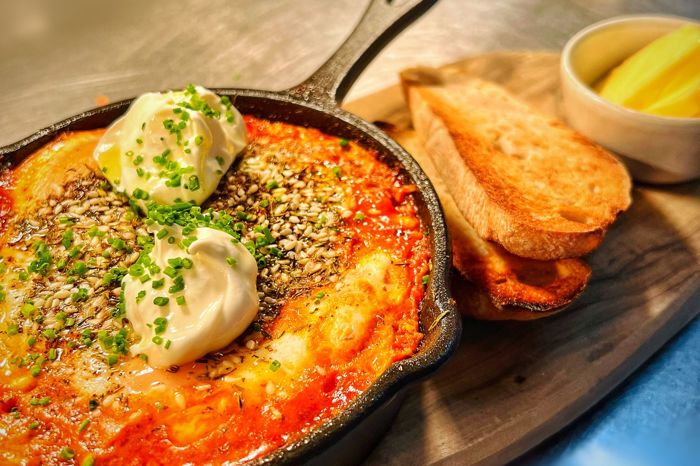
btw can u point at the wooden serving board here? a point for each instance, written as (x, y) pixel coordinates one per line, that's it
(513, 384)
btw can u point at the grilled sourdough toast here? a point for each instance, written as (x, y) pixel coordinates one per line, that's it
(501, 286)
(521, 179)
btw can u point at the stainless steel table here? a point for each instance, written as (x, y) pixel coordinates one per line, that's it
(60, 57)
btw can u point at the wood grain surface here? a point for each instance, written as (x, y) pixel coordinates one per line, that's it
(513, 384)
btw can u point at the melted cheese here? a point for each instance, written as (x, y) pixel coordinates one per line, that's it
(325, 344)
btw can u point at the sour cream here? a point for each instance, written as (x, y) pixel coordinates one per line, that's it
(217, 303)
(172, 146)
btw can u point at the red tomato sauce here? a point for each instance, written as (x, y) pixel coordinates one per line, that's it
(5, 199)
(227, 423)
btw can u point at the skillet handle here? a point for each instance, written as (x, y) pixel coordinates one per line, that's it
(382, 21)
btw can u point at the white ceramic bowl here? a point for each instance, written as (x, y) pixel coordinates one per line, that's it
(656, 149)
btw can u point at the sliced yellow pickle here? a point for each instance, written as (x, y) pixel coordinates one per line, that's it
(663, 78)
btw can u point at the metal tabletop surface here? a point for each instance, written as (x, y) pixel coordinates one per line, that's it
(58, 58)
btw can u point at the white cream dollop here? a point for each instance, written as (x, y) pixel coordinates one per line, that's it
(172, 146)
(220, 298)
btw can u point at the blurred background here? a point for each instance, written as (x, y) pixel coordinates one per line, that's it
(56, 58)
(60, 57)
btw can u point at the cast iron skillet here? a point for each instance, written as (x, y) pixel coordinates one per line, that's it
(348, 437)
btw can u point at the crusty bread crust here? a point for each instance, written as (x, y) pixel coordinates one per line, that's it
(500, 286)
(521, 179)
(476, 303)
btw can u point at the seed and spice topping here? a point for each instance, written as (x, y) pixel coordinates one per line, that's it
(290, 217)
(65, 280)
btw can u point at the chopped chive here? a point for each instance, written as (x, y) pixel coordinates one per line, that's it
(178, 285)
(61, 264)
(80, 295)
(75, 251)
(94, 231)
(67, 238)
(80, 268)
(161, 300)
(140, 194)
(193, 183)
(67, 453)
(175, 262)
(275, 365)
(83, 425)
(161, 324)
(43, 401)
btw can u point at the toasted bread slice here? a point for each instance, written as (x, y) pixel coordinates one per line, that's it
(504, 286)
(520, 178)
